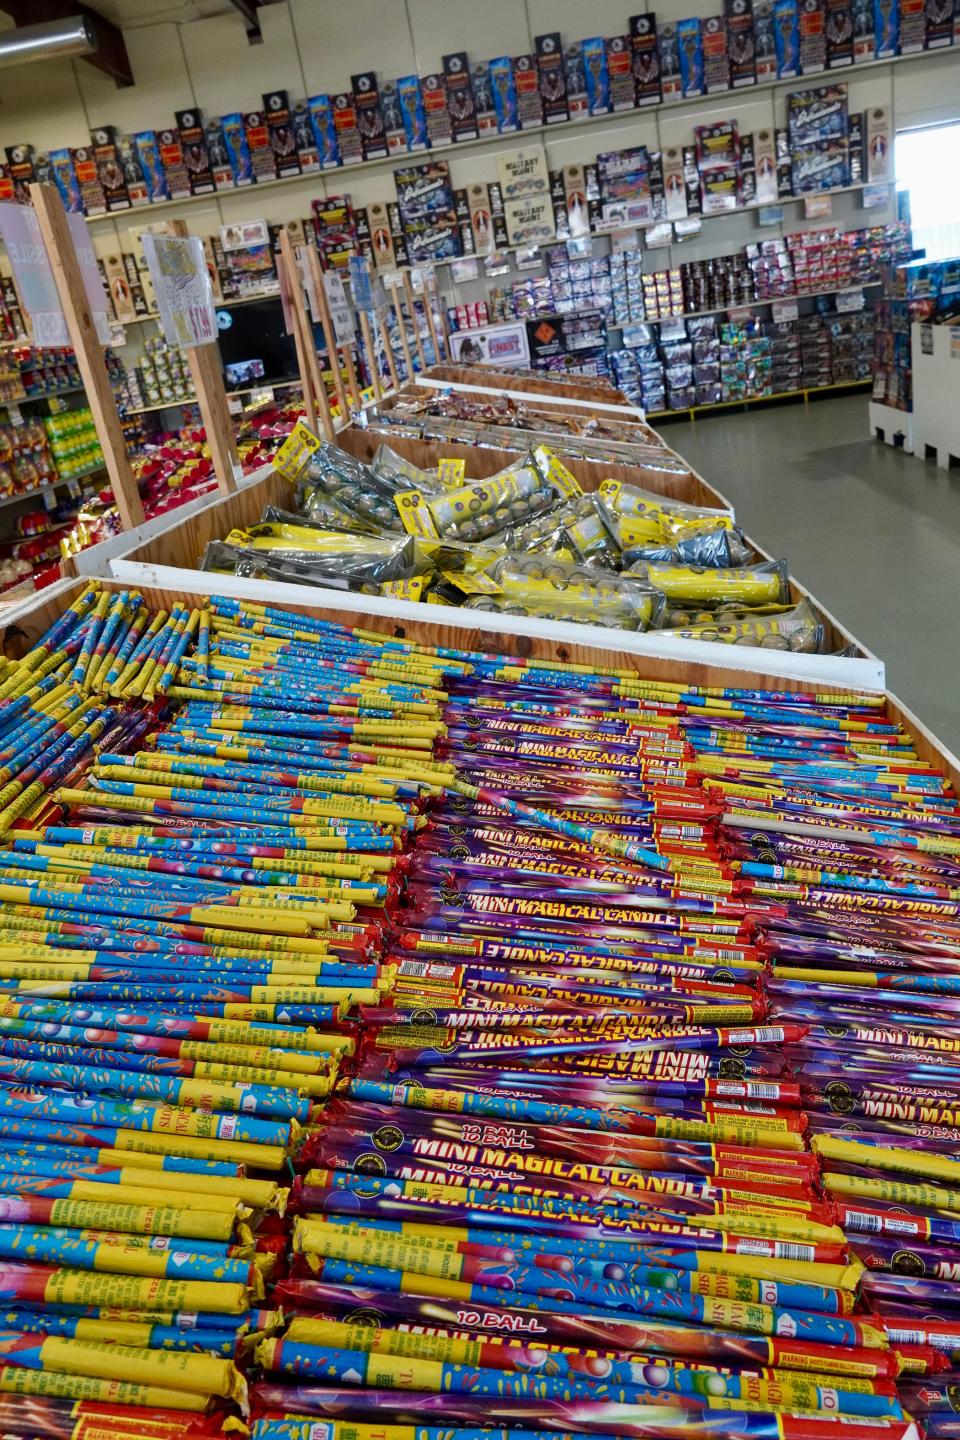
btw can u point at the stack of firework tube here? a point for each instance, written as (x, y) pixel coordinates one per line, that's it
(153, 1078)
(543, 979)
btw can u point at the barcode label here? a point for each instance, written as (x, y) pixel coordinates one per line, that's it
(859, 1220)
(753, 1037)
(786, 1251)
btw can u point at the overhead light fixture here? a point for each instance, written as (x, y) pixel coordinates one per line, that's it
(53, 40)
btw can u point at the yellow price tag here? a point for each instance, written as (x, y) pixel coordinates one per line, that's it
(452, 473)
(296, 451)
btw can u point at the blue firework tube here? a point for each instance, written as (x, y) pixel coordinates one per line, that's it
(91, 1250)
(142, 1115)
(93, 634)
(55, 1158)
(269, 1102)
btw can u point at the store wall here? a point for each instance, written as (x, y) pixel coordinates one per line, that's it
(312, 46)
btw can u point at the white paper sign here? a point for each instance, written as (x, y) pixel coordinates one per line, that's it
(20, 230)
(182, 283)
(92, 283)
(341, 315)
(784, 311)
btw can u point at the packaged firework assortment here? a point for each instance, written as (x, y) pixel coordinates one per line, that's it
(920, 291)
(800, 263)
(410, 1041)
(709, 362)
(525, 541)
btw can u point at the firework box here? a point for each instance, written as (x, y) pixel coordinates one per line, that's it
(575, 200)
(824, 165)
(625, 187)
(839, 34)
(333, 227)
(812, 25)
(66, 180)
(786, 32)
(690, 48)
(526, 80)
(574, 68)
(283, 140)
(433, 90)
(764, 41)
(504, 94)
(106, 152)
(85, 169)
(864, 36)
(196, 157)
(492, 345)
(262, 159)
(741, 47)
(940, 23)
(671, 87)
(381, 239)
(765, 165)
(133, 176)
(886, 25)
(716, 60)
(913, 26)
(349, 143)
(552, 78)
(484, 108)
(596, 76)
(620, 73)
(424, 190)
(645, 59)
(529, 220)
(393, 127)
(219, 155)
(523, 172)
(238, 151)
(718, 145)
(674, 184)
(814, 115)
(366, 103)
(461, 102)
(480, 218)
(878, 145)
(20, 161)
(410, 96)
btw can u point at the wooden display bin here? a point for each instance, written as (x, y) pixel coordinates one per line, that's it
(533, 382)
(470, 630)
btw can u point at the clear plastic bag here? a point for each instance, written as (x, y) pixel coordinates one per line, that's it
(713, 545)
(797, 629)
(753, 585)
(555, 589)
(310, 555)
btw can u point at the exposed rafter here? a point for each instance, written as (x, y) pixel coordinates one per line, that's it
(111, 54)
(250, 10)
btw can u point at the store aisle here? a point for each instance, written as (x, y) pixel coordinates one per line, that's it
(874, 533)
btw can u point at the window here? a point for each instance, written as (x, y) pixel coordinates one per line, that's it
(925, 162)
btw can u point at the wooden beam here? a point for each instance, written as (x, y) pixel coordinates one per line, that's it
(289, 279)
(414, 321)
(304, 328)
(206, 371)
(384, 329)
(55, 231)
(110, 55)
(369, 347)
(326, 324)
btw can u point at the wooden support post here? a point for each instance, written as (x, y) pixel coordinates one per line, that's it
(402, 324)
(305, 325)
(326, 324)
(384, 329)
(412, 307)
(351, 370)
(368, 345)
(55, 231)
(441, 307)
(431, 320)
(289, 277)
(207, 374)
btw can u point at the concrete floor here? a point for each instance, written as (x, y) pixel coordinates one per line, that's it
(872, 532)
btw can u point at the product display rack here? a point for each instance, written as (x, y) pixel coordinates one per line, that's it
(514, 138)
(691, 412)
(743, 305)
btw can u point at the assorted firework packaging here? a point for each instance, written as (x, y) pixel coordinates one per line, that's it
(409, 1043)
